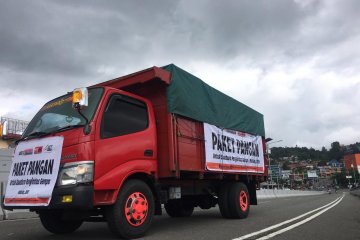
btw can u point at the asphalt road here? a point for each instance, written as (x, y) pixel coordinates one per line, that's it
(338, 220)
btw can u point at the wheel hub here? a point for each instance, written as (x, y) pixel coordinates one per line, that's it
(136, 209)
(243, 201)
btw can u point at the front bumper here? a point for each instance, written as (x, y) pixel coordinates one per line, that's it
(82, 198)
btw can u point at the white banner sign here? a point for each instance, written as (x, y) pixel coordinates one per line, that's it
(34, 172)
(232, 151)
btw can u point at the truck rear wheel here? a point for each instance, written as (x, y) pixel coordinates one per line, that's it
(133, 211)
(178, 208)
(239, 200)
(53, 222)
(234, 200)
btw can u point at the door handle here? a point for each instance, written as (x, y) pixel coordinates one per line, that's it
(148, 153)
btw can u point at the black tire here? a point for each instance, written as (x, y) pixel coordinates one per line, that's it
(178, 208)
(224, 200)
(53, 222)
(124, 224)
(239, 201)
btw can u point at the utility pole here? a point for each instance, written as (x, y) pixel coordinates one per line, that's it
(268, 154)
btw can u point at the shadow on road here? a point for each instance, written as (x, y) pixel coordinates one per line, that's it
(163, 226)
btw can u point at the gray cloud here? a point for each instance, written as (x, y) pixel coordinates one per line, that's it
(299, 50)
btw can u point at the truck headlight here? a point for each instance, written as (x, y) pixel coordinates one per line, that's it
(76, 172)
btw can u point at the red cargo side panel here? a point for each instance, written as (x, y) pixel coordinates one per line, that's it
(190, 145)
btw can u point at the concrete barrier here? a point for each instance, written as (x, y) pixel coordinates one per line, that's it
(278, 193)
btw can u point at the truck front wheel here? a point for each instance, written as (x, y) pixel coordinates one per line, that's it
(53, 222)
(133, 211)
(178, 208)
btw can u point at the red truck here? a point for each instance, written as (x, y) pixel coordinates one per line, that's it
(128, 146)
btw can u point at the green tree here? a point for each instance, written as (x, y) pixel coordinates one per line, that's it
(335, 151)
(286, 165)
(340, 178)
(324, 154)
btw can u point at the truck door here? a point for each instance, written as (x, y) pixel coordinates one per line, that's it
(126, 134)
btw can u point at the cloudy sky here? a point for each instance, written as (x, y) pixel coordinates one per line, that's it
(297, 62)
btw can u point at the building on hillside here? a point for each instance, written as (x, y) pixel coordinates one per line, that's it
(328, 171)
(291, 159)
(297, 180)
(285, 174)
(312, 174)
(352, 162)
(296, 167)
(335, 163)
(310, 167)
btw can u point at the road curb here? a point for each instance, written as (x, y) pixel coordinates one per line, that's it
(355, 193)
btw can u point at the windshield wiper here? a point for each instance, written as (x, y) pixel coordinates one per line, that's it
(42, 134)
(67, 128)
(37, 134)
(32, 135)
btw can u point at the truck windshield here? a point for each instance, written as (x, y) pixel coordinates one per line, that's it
(59, 114)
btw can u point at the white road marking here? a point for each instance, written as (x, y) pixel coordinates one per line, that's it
(287, 221)
(299, 223)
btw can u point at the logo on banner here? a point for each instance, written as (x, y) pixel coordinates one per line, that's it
(28, 151)
(38, 150)
(49, 148)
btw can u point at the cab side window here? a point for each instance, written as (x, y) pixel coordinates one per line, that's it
(123, 115)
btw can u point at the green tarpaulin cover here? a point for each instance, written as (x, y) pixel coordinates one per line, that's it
(189, 96)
